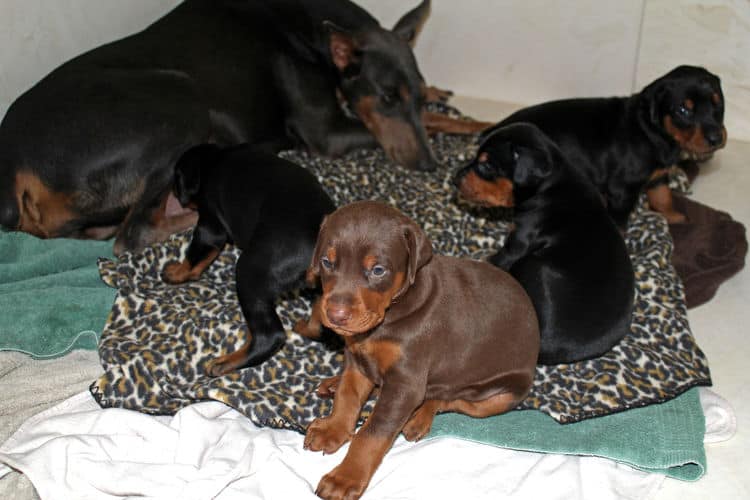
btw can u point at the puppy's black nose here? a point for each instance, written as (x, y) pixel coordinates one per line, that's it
(714, 138)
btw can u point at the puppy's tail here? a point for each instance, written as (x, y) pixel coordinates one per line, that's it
(187, 170)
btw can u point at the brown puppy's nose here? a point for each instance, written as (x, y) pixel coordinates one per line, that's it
(338, 314)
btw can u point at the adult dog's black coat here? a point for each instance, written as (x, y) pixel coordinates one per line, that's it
(88, 151)
(267, 206)
(565, 250)
(621, 143)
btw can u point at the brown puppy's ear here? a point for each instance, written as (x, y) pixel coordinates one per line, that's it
(419, 250)
(313, 272)
(343, 45)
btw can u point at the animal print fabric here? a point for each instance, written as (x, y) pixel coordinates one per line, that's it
(158, 338)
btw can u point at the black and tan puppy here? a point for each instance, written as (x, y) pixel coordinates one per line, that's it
(271, 209)
(434, 333)
(626, 144)
(564, 249)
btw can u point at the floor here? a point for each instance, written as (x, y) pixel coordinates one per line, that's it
(723, 184)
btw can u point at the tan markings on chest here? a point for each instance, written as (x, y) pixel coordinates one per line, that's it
(378, 354)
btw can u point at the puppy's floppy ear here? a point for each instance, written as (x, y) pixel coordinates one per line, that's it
(419, 250)
(342, 44)
(313, 272)
(187, 171)
(411, 23)
(531, 168)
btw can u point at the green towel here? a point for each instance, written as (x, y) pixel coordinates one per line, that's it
(665, 438)
(52, 299)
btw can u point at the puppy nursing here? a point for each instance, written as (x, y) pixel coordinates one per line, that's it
(434, 333)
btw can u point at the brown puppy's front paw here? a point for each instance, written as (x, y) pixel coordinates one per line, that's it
(326, 435)
(341, 484)
(327, 388)
(176, 273)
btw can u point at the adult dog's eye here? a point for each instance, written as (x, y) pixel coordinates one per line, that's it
(377, 271)
(516, 156)
(326, 262)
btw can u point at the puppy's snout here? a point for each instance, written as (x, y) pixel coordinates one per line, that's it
(338, 312)
(715, 138)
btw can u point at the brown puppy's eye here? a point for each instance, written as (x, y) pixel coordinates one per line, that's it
(378, 271)
(326, 263)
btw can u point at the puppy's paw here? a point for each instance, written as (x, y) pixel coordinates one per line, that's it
(327, 388)
(420, 423)
(222, 366)
(674, 217)
(326, 435)
(341, 484)
(434, 94)
(307, 329)
(176, 273)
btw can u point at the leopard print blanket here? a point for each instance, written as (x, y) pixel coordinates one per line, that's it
(158, 338)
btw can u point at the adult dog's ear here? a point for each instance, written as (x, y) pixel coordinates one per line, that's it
(343, 45)
(187, 171)
(410, 24)
(419, 250)
(313, 271)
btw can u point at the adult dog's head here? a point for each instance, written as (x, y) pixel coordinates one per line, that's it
(367, 256)
(509, 166)
(381, 83)
(687, 106)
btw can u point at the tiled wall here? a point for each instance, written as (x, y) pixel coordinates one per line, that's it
(522, 51)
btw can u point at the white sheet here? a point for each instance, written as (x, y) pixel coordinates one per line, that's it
(78, 451)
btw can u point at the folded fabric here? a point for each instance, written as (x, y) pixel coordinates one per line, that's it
(665, 438)
(208, 450)
(51, 295)
(710, 247)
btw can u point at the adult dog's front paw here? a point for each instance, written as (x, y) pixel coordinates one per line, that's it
(326, 435)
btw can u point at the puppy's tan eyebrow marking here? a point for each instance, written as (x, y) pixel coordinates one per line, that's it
(331, 254)
(715, 98)
(369, 261)
(482, 158)
(689, 104)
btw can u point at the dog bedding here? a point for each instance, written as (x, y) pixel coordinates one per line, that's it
(158, 338)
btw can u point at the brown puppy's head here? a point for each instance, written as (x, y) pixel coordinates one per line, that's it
(510, 164)
(367, 256)
(381, 83)
(687, 105)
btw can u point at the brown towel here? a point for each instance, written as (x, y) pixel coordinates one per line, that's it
(708, 249)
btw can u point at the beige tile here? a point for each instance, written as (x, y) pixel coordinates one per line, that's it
(710, 33)
(526, 52)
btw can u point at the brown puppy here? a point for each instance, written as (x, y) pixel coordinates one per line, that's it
(434, 333)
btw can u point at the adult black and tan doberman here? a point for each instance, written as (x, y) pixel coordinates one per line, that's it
(88, 152)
